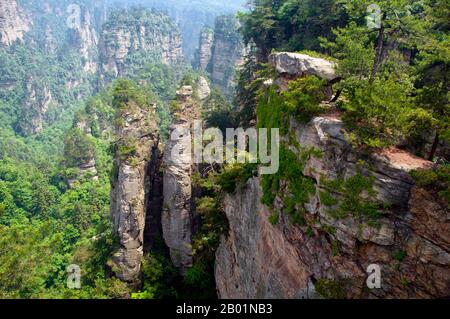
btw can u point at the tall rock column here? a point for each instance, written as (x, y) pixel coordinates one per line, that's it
(138, 140)
(227, 53)
(38, 99)
(205, 48)
(177, 217)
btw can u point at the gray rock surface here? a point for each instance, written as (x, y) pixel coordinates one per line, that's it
(38, 99)
(85, 39)
(205, 49)
(117, 42)
(298, 65)
(129, 193)
(203, 88)
(177, 216)
(227, 54)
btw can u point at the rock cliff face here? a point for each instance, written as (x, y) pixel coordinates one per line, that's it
(329, 254)
(220, 52)
(297, 65)
(84, 37)
(228, 53)
(137, 152)
(205, 49)
(204, 90)
(87, 166)
(177, 216)
(139, 35)
(410, 244)
(13, 24)
(37, 101)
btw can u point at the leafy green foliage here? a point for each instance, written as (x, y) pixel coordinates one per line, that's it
(201, 282)
(394, 78)
(376, 113)
(356, 197)
(235, 175)
(303, 97)
(302, 100)
(289, 24)
(389, 95)
(24, 270)
(159, 275)
(399, 255)
(274, 218)
(330, 289)
(246, 95)
(78, 148)
(217, 111)
(126, 93)
(436, 179)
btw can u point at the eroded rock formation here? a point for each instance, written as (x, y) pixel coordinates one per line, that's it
(221, 52)
(298, 65)
(259, 260)
(38, 98)
(177, 216)
(137, 150)
(204, 89)
(137, 36)
(84, 37)
(13, 24)
(330, 253)
(205, 49)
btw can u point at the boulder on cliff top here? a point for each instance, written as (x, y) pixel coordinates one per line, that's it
(299, 65)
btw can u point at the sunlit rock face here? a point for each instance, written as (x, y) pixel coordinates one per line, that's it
(84, 38)
(296, 64)
(260, 260)
(13, 23)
